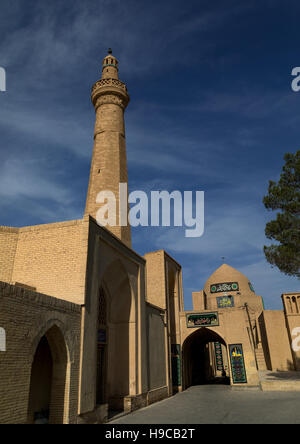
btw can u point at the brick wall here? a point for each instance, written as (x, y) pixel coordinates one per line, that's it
(276, 340)
(50, 258)
(156, 278)
(26, 317)
(8, 244)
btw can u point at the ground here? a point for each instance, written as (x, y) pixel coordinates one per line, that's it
(220, 405)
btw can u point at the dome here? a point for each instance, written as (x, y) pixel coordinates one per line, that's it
(228, 280)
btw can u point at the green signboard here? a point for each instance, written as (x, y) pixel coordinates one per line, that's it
(237, 364)
(176, 364)
(202, 320)
(223, 287)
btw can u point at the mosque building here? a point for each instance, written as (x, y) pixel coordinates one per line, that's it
(89, 327)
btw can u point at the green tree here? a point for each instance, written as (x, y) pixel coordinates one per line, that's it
(285, 229)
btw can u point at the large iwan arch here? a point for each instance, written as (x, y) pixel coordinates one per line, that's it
(198, 358)
(116, 356)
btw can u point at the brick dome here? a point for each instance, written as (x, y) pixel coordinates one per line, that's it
(228, 280)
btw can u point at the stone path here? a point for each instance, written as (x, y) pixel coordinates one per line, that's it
(220, 405)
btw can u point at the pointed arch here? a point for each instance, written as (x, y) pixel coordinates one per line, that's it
(197, 356)
(116, 282)
(120, 366)
(50, 377)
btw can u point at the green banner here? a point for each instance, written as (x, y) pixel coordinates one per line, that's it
(219, 356)
(237, 364)
(176, 364)
(202, 319)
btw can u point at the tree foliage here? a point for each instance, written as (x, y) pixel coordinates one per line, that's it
(285, 229)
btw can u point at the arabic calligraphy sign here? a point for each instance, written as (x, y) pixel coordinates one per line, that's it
(225, 301)
(226, 286)
(202, 320)
(237, 364)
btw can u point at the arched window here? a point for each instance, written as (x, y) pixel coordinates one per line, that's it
(102, 311)
(101, 348)
(295, 307)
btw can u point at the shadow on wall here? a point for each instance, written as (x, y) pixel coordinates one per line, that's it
(295, 365)
(289, 374)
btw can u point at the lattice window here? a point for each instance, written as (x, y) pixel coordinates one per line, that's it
(102, 310)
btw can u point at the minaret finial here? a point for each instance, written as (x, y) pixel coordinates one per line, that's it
(110, 66)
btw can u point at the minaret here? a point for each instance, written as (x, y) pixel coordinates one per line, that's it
(109, 164)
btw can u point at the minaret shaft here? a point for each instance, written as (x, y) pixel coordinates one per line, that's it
(109, 163)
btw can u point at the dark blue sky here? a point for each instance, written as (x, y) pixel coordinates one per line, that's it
(211, 109)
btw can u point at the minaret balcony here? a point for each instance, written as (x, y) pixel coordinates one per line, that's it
(110, 91)
(109, 82)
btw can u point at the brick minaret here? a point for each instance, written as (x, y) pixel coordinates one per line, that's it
(109, 164)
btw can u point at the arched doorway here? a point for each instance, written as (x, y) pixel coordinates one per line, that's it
(48, 396)
(116, 338)
(204, 359)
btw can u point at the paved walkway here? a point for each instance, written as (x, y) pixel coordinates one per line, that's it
(220, 405)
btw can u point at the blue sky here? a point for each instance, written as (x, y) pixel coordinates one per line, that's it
(211, 109)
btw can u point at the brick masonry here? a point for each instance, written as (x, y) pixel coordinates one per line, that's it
(29, 253)
(26, 317)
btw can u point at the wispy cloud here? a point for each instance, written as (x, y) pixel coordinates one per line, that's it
(28, 187)
(60, 128)
(211, 109)
(26, 179)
